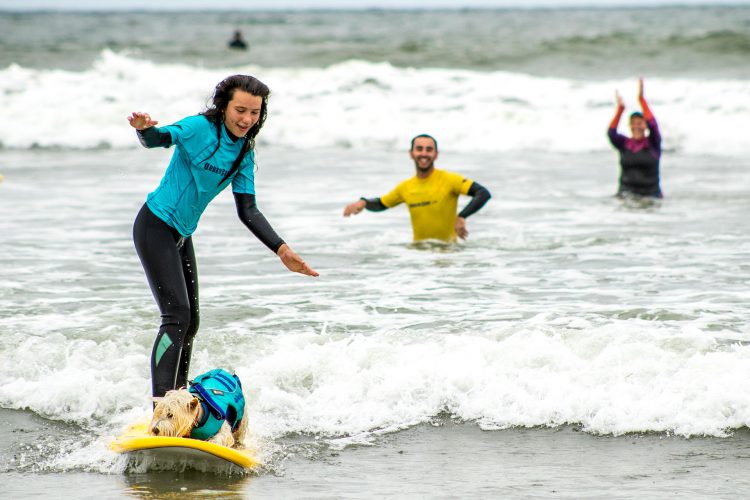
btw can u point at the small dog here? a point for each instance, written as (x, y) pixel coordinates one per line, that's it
(212, 409)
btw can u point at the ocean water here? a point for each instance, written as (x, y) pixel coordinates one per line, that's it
(570, 324)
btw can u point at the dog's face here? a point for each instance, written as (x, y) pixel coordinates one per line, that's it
(175, 414)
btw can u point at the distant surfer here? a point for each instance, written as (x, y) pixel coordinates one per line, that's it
(212, 150)
(237, 42)
(639, 154)
(431, 195)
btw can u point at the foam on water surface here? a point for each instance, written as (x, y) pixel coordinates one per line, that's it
(360, 105)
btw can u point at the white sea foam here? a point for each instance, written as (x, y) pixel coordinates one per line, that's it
(359, 104)
(620, 377)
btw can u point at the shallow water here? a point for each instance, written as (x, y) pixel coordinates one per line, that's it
(637, 315)
(441, 459)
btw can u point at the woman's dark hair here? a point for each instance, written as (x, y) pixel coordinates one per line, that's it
(223, 93)
(636, 114)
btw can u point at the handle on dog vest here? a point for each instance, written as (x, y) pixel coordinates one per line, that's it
(221, 397)
(213, 407)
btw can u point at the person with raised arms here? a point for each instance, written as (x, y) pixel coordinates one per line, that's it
(212, 150)
(431, 195)
(640, 153)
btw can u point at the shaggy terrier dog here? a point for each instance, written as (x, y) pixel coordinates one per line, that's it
(179, 411)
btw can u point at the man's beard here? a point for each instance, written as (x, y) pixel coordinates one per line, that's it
(425, 168)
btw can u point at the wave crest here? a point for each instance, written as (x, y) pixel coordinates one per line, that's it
(361, 104)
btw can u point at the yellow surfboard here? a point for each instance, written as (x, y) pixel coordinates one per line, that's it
(136, 439)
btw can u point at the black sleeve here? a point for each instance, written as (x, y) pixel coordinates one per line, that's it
(480, 195)
(256, 222)
(374, 204)
(153, 138)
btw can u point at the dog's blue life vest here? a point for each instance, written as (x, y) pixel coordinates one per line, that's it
(220, 394)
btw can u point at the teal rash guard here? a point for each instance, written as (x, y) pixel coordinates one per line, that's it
(192, 178)
(163, 228)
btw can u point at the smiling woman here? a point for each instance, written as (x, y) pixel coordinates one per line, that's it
(213, 149)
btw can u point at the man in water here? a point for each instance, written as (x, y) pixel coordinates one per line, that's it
(237, 42)
(431, 195)
(640, 153)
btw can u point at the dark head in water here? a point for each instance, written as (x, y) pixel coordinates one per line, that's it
(240, 103)
(237, 42)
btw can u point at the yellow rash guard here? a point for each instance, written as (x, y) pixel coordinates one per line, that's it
(432, 203)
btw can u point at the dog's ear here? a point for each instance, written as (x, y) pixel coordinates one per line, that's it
(193, 404)
(157, 400)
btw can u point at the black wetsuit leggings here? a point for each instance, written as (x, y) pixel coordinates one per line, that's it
(169, 262)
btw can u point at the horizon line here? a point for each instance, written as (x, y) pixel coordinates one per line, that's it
(360, 8)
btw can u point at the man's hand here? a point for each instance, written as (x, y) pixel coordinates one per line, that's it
(640, 88)
(618, 98)
(294, 262)
(460, 226)
(354, 208)
(141, 121)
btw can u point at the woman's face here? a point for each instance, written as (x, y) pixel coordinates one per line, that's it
(638, 127)
(242, 112)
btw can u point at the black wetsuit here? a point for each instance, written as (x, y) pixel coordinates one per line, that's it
(169, 262)
(639, 173)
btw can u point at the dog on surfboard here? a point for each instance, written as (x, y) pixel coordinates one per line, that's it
(211, 409)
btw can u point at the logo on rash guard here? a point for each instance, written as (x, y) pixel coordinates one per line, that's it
(421, 204)
(216, 170)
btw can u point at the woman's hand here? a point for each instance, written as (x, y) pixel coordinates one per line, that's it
(294, 262)
(618, 98)
(141, 121)
(640, 88)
